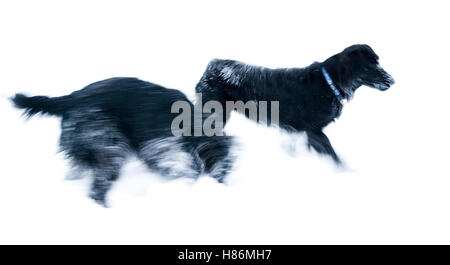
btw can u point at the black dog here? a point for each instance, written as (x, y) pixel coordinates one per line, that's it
(309, 98)
(108, 120)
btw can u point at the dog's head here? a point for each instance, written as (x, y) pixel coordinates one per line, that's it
(363, 64)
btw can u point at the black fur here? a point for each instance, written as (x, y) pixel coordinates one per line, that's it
(305, 99)
(108, 120)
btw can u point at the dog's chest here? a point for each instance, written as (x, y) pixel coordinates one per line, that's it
(330, 112)
(324, 113)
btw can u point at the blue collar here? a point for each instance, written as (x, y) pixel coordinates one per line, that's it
(332, 86)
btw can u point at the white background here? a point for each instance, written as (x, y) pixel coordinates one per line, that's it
(396, 188)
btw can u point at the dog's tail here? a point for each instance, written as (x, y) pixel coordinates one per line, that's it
(42, 104)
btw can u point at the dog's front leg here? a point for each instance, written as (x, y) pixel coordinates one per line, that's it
(320, 142)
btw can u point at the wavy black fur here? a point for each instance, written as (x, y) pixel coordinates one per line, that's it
(108, 120)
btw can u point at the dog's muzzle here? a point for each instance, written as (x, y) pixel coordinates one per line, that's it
(384, 81)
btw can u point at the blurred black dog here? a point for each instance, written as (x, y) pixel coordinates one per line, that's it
(309, 98)
(108, 120)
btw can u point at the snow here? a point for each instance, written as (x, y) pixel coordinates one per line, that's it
(395, 185)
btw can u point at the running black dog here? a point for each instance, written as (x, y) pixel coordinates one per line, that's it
(108, 120)
(309, 98)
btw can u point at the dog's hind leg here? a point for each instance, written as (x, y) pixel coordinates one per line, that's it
(104, 176)
(320, 142)
(108, 157)
(92, 140)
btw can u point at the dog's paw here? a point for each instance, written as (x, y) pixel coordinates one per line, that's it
(99, 199)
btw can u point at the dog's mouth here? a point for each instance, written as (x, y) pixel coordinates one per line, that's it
(387, 82)
(381, 80)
